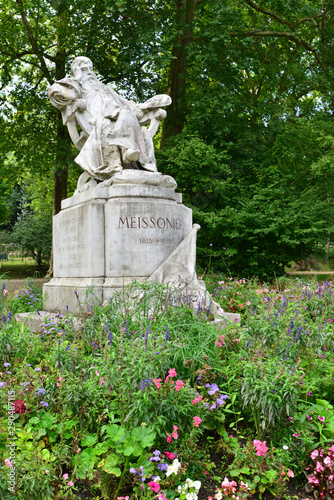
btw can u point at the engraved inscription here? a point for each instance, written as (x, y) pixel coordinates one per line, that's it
(149, 222)
(163, 241)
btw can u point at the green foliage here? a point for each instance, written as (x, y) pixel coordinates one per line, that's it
(33, 232)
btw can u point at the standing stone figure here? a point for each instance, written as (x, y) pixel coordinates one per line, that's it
(108, 130)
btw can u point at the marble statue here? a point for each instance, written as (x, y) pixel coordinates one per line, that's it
(108, 130)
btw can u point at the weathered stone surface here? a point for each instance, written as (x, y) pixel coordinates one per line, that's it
(78, 241)
(73, 295)
(109, 236)
(141, 234)
(112, 133)
(35, 321)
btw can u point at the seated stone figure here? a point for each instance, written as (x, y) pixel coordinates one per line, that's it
(108, 130)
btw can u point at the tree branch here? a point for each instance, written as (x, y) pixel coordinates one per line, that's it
(281, 34)
(33, 42)
(269, 13)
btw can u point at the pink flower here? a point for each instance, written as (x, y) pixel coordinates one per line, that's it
(319, 467)
(161, 497)
(327, 461)
(47, 471)
(170, 455)
(178, 385)
(261, 448)
(290, 473)
(20, 406)
(154, 486)
(197, 400)
(70, 483)
(101, 381)
(291, 419)
(58, 384)
(197, 421)
(156, 382)
(174, 433)
(248, 303)
(330, 320)
(97, 373)
(65, 476)
(60, 379)
(229, 486)
(8, 462)
(172, 373)
(168, 438)
(314, 454)
(295, 435)
(321, 418)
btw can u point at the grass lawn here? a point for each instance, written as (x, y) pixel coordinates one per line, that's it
(16, 268)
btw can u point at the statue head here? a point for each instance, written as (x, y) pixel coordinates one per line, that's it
(82, 66)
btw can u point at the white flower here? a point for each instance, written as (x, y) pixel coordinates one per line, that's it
(189, 496)
(285, 447)
(197, 485)
(157, 479)
(218, 495)
(179, 488)
(190, 483)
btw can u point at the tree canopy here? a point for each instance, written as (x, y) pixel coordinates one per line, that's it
(248, 137)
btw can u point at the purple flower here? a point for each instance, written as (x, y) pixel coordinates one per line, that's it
(44, 403)
(2, 384)
(6, 364)
(28, 364)
(213, 407)
(40, 391)
(38, 369)
(220, 401)
(163, 467)
(213, 388)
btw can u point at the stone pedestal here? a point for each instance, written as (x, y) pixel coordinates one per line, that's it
(108, 236)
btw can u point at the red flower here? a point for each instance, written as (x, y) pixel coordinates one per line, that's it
(19, 406)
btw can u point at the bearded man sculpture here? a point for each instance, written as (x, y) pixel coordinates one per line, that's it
(108, 130)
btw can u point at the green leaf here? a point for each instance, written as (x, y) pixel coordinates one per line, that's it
(245, 470)
(271, 474)
(34, 420)
(89, 440)
(145, 435)
(101, 448)
(71, 423)
(115, 432)
(109, 465)
(46, 454)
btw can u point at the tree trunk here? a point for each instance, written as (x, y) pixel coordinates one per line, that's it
(63, 154)
(177, 77)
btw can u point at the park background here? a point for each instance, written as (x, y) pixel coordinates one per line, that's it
(248, 137)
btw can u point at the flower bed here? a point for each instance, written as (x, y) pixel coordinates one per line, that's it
(136, 402)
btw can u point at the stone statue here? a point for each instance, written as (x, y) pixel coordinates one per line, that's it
(108, 130)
